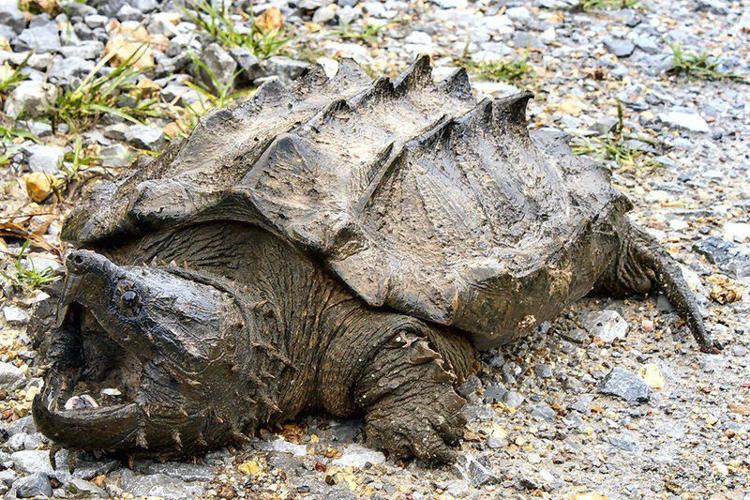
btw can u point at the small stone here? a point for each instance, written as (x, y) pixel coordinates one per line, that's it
(513, 399)
(44, 38)
(157, 485)
(145, 137)
(32, 462)
(470, 387)
(221, 67)
(730, 257)
(285, 68)
(11, 377)
(7, 477)
(606, 325)
(543, 411)
(11, 15)
(116, 155)
(31, 99)
(95, 21)
(577, 335)
(323, 15)
(519, 14)
(129, 13)
(739, 232)
(45, 159)
(33, 486)
(619, 46)
(358, 456)
(182, 470)
(15, 315)
(625, 385)
(582, 404)
(543, 371)
(478, 473)
(86, 489)
(39, 185)
(686, 120)
(651, 374)
(495, 393)
(418, 38)
(625, 442)
(284, 446)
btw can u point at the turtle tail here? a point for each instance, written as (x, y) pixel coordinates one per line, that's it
(642, 266)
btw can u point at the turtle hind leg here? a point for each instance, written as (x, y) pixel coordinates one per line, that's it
(643, 266)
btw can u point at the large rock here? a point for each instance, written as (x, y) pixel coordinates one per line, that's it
(11, 16)
(358, 456)
(220, 67)
(607, 325)
(145, 137)
(33, 486)
(157, 485)
(182, 470)
(686, 120)
(31, 99)
(44, 38)
(11, 377)
(625, 385)
(730, 257)
(46, 159)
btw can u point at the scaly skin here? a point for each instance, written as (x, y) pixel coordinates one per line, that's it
(318, 348)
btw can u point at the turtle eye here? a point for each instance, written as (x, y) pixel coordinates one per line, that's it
(129, 302)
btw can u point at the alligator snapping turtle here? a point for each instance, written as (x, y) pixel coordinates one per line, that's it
(340, 245)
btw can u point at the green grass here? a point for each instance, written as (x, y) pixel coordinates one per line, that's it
(11, 81)
(614, 147)
(367, 35)
(589, 5)
(28, 278)
(219, 24)
(78, 160)
(97, 96)
(8, 134)
(506, 71)
(700, 66)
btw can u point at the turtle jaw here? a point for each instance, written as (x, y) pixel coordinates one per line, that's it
(96, 425)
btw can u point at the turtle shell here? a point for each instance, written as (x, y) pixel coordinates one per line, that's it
(418, 196)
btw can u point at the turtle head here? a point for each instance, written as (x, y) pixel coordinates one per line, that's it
(142, 361)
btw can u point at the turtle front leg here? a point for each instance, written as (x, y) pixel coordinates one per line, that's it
(407, 393)
(642, 266)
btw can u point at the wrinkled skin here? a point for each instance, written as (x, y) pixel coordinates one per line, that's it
(202, 362)
(340, 246)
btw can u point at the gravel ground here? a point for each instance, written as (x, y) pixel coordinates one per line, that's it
(611, 401)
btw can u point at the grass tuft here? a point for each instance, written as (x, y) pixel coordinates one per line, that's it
(28, 278)
(219, 24)
(614, 146)
(97, 96)
(700, 66)
(368, 35)
(9, 79)
(589, 5)
(506, 71)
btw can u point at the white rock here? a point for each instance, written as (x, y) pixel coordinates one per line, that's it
(518, 13)
(330, 66)
(284, 446)
(43, 158)
(685, 120)
(607, 325)
(31, 99)
(419, 38)
(358, 456)
(737, 231)
(15, 315)
(11, 377)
